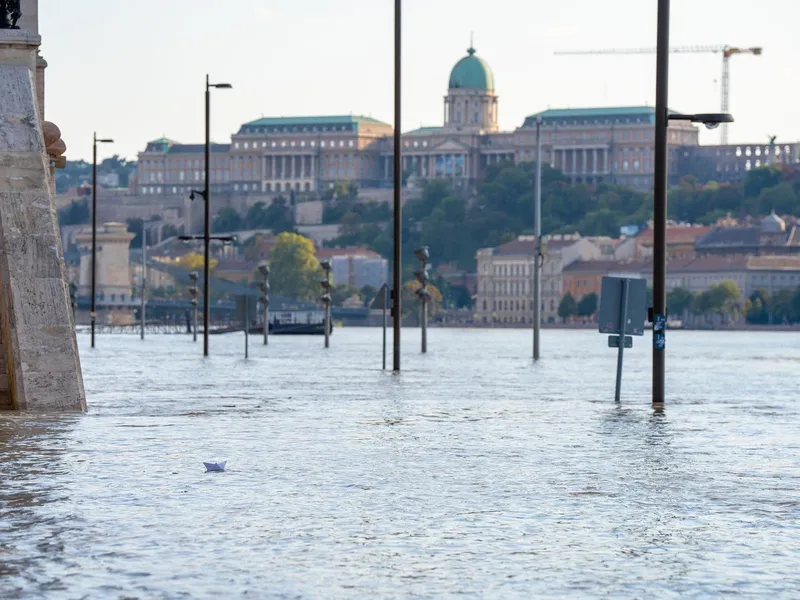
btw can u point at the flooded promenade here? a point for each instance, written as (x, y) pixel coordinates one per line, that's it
(474, 473)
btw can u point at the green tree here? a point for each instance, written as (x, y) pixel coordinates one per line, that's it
(758, 307)
(341, 292)
(368, 293)
(567, 307)
(411, 302)
(782, 307)
(226, 220)
(295, 270)
(679, 302)
(587, 305)
(77, 213)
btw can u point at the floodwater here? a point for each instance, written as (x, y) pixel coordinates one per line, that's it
(474, 473)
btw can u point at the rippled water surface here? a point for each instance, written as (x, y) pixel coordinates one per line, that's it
(473, 473)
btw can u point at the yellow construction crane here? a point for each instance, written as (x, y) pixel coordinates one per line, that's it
(726, 51)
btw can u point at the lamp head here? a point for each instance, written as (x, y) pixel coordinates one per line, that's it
(423, 253)
(325, 264)
(263, 268)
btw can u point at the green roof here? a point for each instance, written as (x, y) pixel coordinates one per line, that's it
(472, 73)
(163, 140)
(313, 121)
(608, 112)
(424, 131)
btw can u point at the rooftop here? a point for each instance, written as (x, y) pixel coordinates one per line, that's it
(675, 235)
(642, 114)
(337, 122)
(425, 131)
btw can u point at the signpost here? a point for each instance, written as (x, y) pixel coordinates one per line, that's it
(622, 313)
(382, 301)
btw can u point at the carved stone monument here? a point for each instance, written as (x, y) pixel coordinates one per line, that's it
(39, 363)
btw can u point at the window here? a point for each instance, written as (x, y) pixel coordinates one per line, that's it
(246, 146)
(273, 144)
(458, 116)
(350, 143)
(292, 144)
(283, 144)
(263, 144)
(416, 143)
(182, 175)
(322, 143)
(475, 117)
(341, 143)
(313, 143)
(235, 189)
(236, 145)
(303, 144)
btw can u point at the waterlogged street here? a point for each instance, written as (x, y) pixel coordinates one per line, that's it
(473, 473)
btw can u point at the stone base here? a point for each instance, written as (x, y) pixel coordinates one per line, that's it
(38, 335)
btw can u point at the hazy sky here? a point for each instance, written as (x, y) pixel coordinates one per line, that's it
(135, 70)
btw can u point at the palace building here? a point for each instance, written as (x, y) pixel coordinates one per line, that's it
(308, 154)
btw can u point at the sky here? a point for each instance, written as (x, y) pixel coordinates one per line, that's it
(135, 71)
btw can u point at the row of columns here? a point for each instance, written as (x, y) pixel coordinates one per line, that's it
(561, 153)
(289, 167)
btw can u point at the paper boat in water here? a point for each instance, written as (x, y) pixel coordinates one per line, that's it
(215, 466)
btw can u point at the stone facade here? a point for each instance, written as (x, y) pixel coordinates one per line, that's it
(113, 276)
(305, 155)
(505, 277)
(39, 351)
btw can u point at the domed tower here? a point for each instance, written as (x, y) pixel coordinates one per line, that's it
(471, 104)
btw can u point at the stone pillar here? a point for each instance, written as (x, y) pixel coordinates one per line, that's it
(585, 167)
(36, 328)
(594, 161)
(274, 167)
(283, 167)
(605, 160)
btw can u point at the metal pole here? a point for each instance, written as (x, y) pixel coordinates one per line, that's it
(144, 276)
(246, 326)
(398, 180)
(93, 313)
(538, 258)
(266, 323)
(385, 302)
(194, 320)
(207, 234)
(328, 312)
(623, 315)
(660, 194)
(424, 323)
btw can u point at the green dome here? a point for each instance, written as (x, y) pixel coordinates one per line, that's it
(472, 73)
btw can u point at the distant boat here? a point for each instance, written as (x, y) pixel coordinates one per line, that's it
(287, 322)
(215, 467)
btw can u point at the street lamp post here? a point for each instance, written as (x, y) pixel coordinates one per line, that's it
(398, 180)
(193, 292)
(95, 141)
(538, 257)
(710, 120)
(144, 278)
(423, 254)
(206, 273)
(326, 299)
(263, 268)
(207, 214)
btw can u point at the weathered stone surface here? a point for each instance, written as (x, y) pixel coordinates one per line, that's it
(43, 367)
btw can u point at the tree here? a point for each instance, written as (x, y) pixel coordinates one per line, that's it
(194, 261)
(342, 292)
(411, 301)
(226, 220)
(295, 269)
(77, 213)
(567, 307)
(679, 302)
(587, 305)
(757, 308)
(368, 293)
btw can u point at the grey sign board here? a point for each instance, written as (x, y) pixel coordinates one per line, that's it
(382, 298)
(611, 304)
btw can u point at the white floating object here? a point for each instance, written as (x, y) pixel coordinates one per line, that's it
(217, 467)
